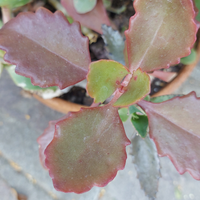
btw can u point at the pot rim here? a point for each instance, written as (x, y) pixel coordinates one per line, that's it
(63, 106)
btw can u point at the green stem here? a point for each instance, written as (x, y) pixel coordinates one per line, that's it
(57, 5)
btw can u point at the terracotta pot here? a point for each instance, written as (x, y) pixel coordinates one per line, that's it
(60, 105)
(66, 106)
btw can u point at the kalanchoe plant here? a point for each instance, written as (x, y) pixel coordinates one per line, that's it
(87, 148)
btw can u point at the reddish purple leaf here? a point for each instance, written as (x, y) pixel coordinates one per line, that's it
(46, 48)
(46, 138)
(174, 126)
(93, 19)
(87, 149)
(160, 33)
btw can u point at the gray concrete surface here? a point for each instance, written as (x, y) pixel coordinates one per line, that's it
(22, 120)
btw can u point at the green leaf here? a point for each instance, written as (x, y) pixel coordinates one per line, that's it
(13, 3)
(70, 19)
(137, 89)
(134, 109)
(140, 122)
(2, 53)
(147, 98)
(197, 4)
(24, 82)
(1, 23)
(107, 3)
(189, 59)
(84, 6)
(124, 114)
(163, 98)
(114, 44)
(104, 78)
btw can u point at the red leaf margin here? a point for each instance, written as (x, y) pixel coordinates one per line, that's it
(127, 46)
(44, 153)
(93, 19)
(181, 172)
(47, 136)
(22, 70)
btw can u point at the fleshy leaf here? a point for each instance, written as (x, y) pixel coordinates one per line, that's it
(88, 148)
(124, 114)
(174, 126)
(163, 98)
(46, 138)
(37, 44)
(134, 109)
(104, 78)
(114, 44)
(138, 88)
(197, 4)
(24, 82)
(13, 3)
(84, 6)
(140, 122)
(189, 59)
(93, 19)
(147, 165)
(160, 33)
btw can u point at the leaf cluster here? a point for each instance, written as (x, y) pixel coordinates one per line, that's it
(87, 148)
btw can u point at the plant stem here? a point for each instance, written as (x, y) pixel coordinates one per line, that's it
(94, 105)
(121, 90)
(6, 13)
(57, 5)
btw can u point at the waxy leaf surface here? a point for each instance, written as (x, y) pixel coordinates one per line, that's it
(124, 114)
(160, 33)
(134, 109)
(114, 44)
(88, 148)
(160, 99)
(24, 82)
(140, 122)
(46, 48)
(13, 3)
(84, 6)
(45, 139)
(174, 125)
(189, 59)
(197, 4)
(104, 78)
(145, 159)
(138, 88)
(93, 19)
